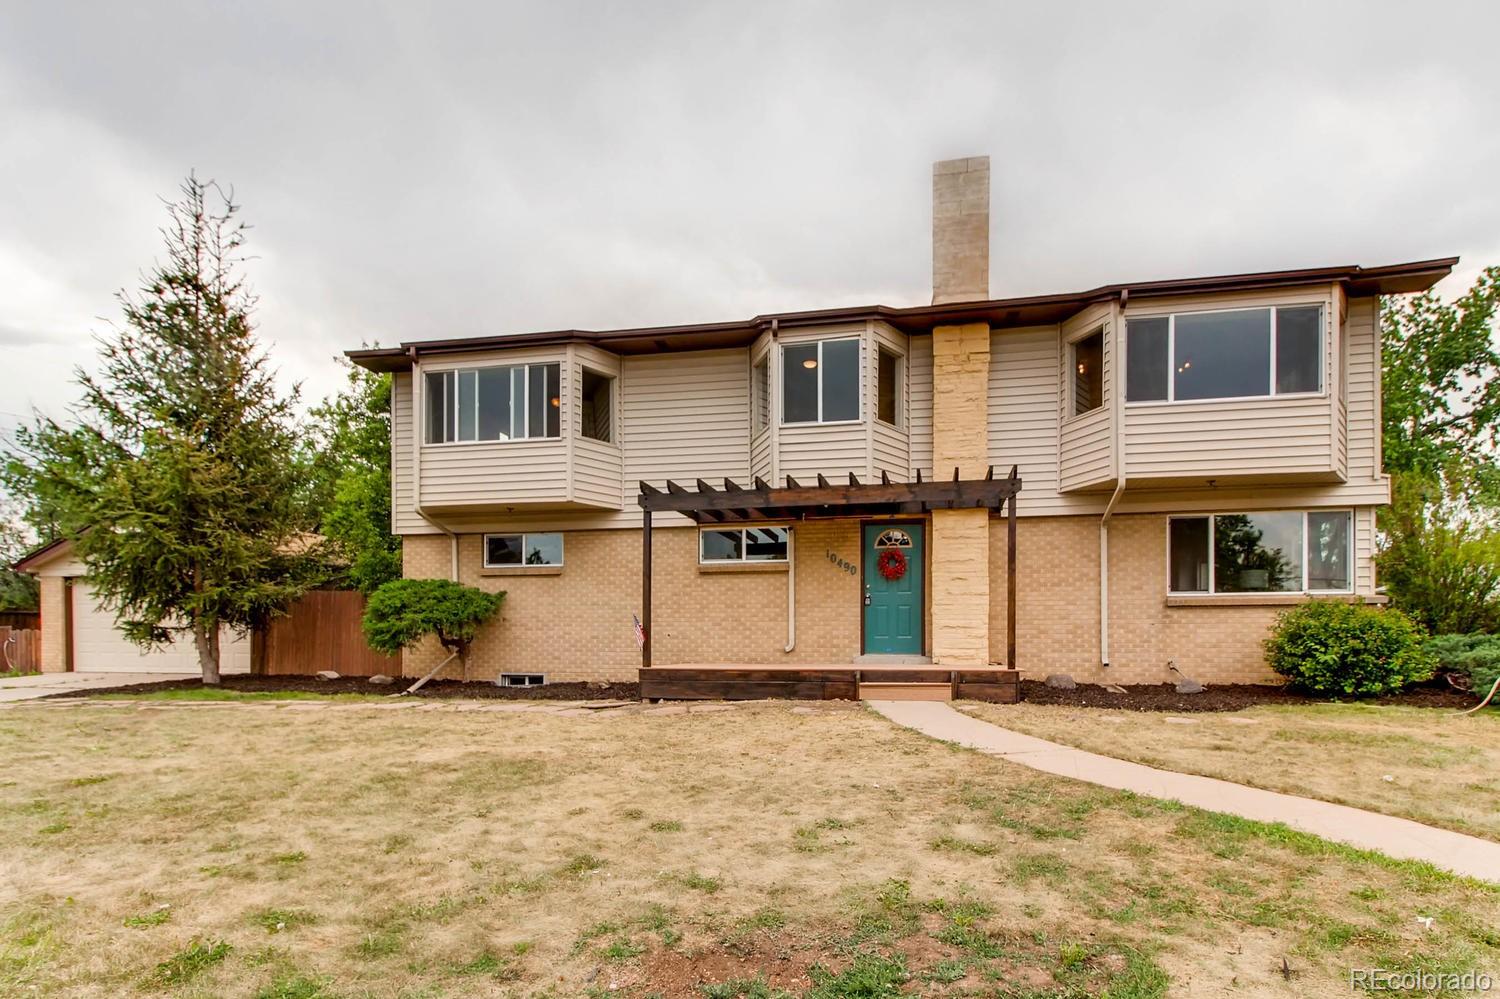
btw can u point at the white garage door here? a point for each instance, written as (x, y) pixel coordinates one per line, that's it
(99, 646)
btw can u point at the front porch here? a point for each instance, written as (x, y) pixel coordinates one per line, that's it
(885, 509)
(751, 682)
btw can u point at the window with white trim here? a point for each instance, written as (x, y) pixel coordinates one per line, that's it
(1086, 369)
(596, 406)
(760, 394)
(820, 381)
(1233, 354)
(1282, 551)
(499, 403)
(506, 551)
(888, 386)
(742, 544)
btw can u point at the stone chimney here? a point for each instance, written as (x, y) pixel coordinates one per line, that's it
(961, 230)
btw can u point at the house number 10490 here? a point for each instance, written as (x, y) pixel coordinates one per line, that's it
(843, 564)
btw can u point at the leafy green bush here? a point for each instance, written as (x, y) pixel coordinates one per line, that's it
(1475, 658)
(402, 612)
(1348, 650)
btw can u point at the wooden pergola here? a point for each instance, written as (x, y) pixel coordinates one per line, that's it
(734, 504)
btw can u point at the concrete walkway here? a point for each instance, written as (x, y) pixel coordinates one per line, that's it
(29, 688)
(1391, 836)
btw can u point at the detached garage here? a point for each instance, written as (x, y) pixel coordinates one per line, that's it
(80, 635)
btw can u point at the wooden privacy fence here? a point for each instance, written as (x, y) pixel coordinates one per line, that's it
(20, 648)
(321, 631)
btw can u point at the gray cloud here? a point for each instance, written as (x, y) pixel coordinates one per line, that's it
(455, 169)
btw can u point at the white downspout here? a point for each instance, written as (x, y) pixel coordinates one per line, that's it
(418, 409)
(791, 589)
(1119, 418)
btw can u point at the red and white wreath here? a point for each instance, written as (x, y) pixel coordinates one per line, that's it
(892, 564)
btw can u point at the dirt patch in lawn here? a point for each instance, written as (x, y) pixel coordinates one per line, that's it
(1218, 697)
(433, 690)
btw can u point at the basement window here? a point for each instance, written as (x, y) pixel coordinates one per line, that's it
(742, 544)
(1282, 551)
(522, 679)
(509, 550)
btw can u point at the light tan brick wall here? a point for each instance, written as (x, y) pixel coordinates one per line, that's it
(961, 579)
(577, 625)
(54, 625)
(1057, 626)
(960, 400)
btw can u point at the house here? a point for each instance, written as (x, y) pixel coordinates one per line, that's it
(79, 631)
(828, 491)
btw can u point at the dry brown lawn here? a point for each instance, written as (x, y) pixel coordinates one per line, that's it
(287, 850)
(1432, 765)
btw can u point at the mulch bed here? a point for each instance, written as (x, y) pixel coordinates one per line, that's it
(1218, 697)
(433, 690)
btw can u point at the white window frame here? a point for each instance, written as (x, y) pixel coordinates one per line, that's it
(614, 408)
(458, 372)
(1068, 373)
(858, 386)
(1306, 540)
(1275, 310)
(757, 427)
(742, 560)
(484, 551)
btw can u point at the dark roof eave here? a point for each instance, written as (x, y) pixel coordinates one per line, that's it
(1004, 312)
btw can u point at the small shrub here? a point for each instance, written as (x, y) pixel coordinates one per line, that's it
(1335, 649)
(1475, 658)
(404, 611)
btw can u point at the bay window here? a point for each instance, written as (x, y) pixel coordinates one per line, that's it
(820, 382)
(1238, 353)
(499, 403)
(1271, 552)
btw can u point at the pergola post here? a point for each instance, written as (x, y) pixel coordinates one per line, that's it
(1010, 582)
(646, 588)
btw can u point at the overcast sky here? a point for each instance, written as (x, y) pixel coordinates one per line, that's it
(419, 170)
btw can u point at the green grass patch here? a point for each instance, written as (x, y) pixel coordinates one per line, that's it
(212, 694)
(155, 917)
(88, 781)
(189, 963)
(870, 976)
(296, 987)
(281, 920)
(665, 826)
(487, 965)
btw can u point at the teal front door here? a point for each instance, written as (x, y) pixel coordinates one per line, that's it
(893, 606)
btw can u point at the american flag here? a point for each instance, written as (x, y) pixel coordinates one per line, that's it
(640, 633)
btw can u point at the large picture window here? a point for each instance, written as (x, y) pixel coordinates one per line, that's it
(1274, 552)
(501, 403)
(820, 382)
(1241, 353)
(502, 551)
(747, 544)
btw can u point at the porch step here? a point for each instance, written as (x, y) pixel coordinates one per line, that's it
(879, 659)
(898, 691)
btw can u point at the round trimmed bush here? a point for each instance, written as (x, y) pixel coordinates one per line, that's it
(1335, 649)
(404, 611)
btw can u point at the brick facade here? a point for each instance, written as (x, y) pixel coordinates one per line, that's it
(1057, 613)
(577, 624)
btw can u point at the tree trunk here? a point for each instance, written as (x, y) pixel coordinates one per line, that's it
(206, 639)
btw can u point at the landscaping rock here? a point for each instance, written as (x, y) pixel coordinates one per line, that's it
(327, 674)
(1060, 681)
(1115, 688)
(382, 679)
(1187, 686)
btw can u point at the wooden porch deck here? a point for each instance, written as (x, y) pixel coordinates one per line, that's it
(732, 682)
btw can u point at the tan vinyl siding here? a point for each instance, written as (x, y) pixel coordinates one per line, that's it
(1087, 456)
(1208, 439)
(834, 450)
(598, 466)
(687, 416)
(1023, 407)
(1362, 374)
(520, 471)
(919, 405)
(404, 518)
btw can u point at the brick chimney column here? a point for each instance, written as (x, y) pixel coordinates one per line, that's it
(960, 439)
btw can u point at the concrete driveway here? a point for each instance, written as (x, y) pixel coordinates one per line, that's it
(29, 688)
